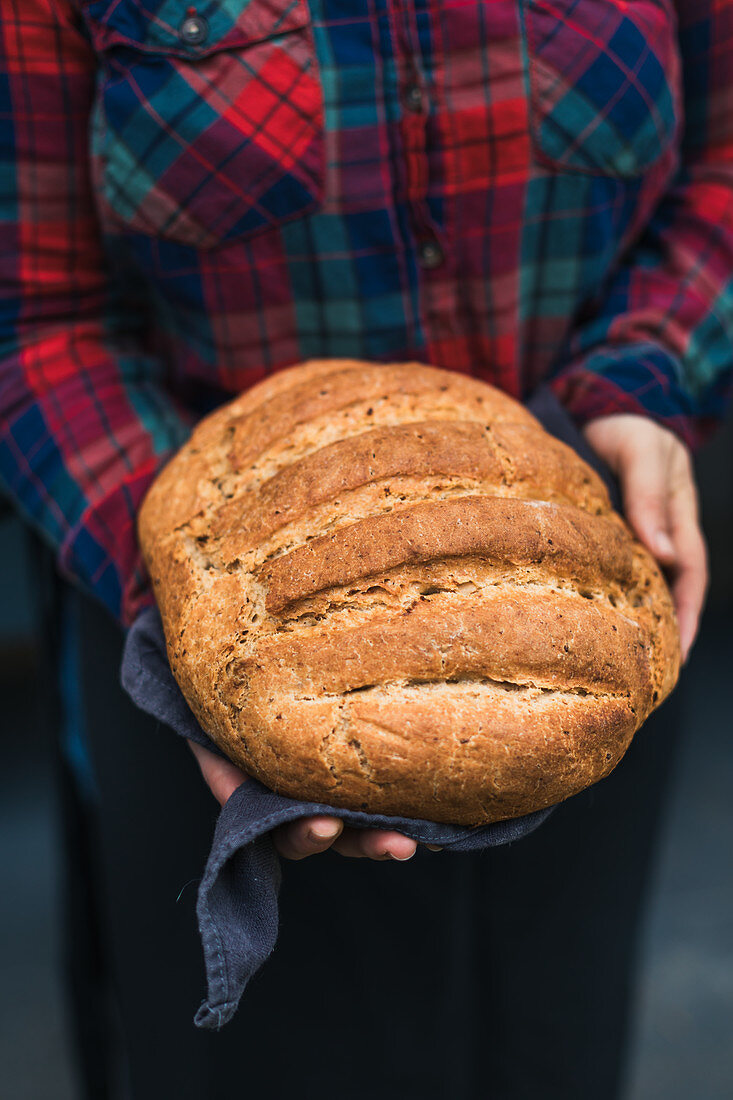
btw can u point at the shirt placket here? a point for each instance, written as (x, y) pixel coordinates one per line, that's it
(430, 245)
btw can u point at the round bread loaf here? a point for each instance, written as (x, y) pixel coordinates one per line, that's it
(388, 588)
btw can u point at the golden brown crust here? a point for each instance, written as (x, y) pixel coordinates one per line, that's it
(404, 450)
(386, 587)
(472, 754)
(523, 638)
(347, 383)
(571, 543)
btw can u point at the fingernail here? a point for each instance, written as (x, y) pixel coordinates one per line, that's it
(400, 859)
(324, 832)
(434, 847)
(663, 544)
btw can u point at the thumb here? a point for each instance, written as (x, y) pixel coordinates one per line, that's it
(645, 490)
(220, 775)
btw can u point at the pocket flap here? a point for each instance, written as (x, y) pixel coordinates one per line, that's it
(604, 83)
(154, 26)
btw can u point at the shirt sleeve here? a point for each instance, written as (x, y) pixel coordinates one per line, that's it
(85, 420)
(660, 343)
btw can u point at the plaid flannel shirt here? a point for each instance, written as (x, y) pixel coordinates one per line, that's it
(192, 197)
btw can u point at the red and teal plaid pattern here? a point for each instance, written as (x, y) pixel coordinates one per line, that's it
(204, 147)
(602, 83)
(192, 196)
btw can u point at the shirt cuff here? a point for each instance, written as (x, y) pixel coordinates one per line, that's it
(639, 379)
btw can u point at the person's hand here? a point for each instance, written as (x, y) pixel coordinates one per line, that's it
(309, 835)
(660, 500)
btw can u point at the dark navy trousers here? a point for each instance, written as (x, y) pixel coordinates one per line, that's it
(504, 975)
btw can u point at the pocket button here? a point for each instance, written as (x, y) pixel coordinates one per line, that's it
(193, 30)
(413, 98)
(430, 255)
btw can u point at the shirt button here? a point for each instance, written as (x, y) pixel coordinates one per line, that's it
(430, 254)
(193, 30)
(413, 97)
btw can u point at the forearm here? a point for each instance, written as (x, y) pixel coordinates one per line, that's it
(659, 342)
(85, 420)
(83, 434)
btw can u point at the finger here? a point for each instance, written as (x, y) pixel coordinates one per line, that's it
(688, 590)
(220, 775)
(645, 487)
(307, 836)
(375, 844)
(690, 577)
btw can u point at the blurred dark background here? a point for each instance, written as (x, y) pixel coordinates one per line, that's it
(684, 1036)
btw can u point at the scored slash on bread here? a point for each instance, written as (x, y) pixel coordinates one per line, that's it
(388, 588)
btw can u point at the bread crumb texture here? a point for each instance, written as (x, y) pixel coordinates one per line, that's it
(388, 588)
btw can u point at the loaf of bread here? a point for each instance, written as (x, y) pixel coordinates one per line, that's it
(386, 587)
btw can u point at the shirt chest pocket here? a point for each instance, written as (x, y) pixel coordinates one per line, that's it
(206, 127)
(603, 82)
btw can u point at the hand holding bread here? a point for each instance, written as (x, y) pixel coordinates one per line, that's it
(661, 504)
(311, 835)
